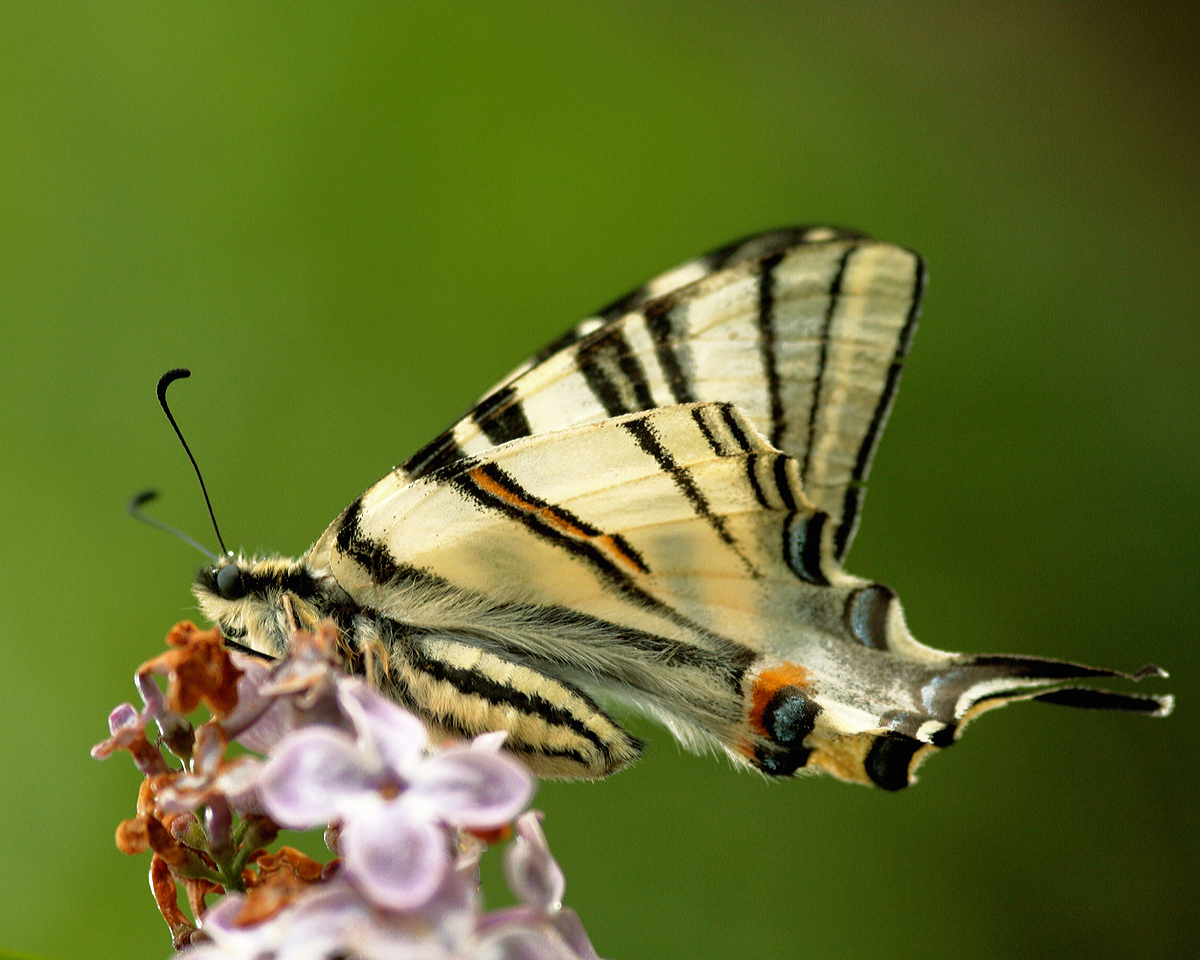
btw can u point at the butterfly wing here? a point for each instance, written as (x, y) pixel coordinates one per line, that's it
(669, 557)
(804, 330)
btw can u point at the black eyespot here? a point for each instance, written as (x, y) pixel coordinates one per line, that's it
(229, 582)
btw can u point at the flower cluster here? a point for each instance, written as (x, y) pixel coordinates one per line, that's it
(408, 819)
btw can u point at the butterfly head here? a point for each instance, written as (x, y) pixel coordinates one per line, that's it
(259, 603)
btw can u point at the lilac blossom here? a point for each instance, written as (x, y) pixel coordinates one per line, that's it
(171, 726)
(400, 810)
(392, 796)
(334, 920)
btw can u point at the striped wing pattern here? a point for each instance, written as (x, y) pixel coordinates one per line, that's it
(804, 330)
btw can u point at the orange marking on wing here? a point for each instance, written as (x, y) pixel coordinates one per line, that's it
(619, 554)
(769, 683)
(556, 521)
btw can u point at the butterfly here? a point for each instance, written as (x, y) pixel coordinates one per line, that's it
(653, 511)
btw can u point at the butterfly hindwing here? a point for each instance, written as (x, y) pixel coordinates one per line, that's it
(669, 558)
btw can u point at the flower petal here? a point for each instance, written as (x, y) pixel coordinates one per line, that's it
(532, 873)
(122, 717)
(569, 927)
(398, 736)
(171, 726)
(526, 943)
(313, 929)
(209, 748)
(470, 788)
(397, 859)
(492, 741)
(235, 781)
(396, 937)
(313, 776)
(251, 703)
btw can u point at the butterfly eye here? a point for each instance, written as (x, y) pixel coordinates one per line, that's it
(229, 582)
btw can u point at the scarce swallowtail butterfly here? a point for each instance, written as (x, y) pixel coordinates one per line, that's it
(654, 509)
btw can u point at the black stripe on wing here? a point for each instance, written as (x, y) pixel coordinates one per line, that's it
(611, 554)
(852, 501)
(1087, 698)
(722, 429)
(369, 553)
(758, 246)
(648, 440)
(802, 542)
(438, 453)
(714, 444)
(613, 373)
(657, 316)
(501, 416)
(479, 683)
(958, 690)
(767, 346)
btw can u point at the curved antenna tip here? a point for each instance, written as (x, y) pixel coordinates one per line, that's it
(139, 500)
(168, 378)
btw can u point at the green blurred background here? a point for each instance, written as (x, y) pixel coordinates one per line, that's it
(349, 219)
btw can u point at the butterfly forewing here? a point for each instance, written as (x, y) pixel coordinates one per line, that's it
(804, 331)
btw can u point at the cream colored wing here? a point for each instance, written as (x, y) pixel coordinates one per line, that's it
(804, 330)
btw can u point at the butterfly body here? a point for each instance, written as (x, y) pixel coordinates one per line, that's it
(654, 510)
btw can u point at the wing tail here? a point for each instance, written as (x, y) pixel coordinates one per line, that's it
(883, 745)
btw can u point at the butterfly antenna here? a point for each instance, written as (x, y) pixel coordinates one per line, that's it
(135, 510)
(168, 378)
